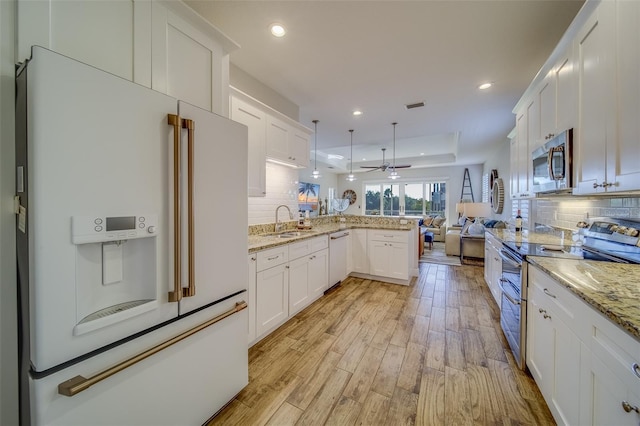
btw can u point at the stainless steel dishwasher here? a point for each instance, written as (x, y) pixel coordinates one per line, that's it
(337, 257)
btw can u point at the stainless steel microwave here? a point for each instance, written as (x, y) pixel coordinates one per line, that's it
(552, 165)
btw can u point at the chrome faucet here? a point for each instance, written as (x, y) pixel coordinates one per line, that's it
(278, 224)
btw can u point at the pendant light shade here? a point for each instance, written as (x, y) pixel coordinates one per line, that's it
(351, 177)
(316, 173)
(394, 175)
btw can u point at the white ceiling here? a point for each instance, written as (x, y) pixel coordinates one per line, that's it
(377, 56)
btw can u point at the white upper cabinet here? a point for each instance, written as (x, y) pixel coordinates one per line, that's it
(521, 174)
(595, 102)
(566, 101)
(623, 167)
(256, 121)
(190, 57)
(110, 35)
(287, 143)
(159, 44)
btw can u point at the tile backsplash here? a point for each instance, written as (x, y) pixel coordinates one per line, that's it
(567, 212)
(282, 188)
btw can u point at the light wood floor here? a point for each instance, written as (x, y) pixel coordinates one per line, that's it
(373, 353)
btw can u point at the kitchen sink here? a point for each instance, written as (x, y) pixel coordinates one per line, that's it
(289, 234)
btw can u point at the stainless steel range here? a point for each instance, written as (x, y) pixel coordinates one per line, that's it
(604, 239)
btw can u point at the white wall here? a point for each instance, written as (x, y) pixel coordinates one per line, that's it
(452, 175)
(8, 300)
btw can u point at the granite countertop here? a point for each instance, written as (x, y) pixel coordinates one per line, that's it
(259, 242)
(611, 288)
(557, 238)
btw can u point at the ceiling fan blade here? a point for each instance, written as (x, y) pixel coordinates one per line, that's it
(405, 166)
(370, 167)
(373, 170)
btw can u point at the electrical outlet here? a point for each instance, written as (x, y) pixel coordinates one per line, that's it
(555, 215)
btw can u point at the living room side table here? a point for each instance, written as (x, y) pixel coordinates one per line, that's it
(467, 237)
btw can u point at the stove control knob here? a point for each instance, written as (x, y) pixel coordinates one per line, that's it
(632, 232)
(621, 229)
(613, 228)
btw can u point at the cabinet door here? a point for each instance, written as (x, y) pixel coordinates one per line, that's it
(109, 35)
(594, 129)
(606, 395)
(187, 63)
(359, 254)
(566, 99)
(278, 139)
(299, 148)
(496, 274)
(513, 172)
(547, 98)
(623, 167)
(318, 274)
(251, 295)
(378, 252)
(540, 338)
(298, 284)
(272, 298)
(566, 370)
(255, 120)
(523, 154)
(398, 261)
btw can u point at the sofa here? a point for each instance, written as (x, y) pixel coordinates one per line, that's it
(434, 224)
(473, 247)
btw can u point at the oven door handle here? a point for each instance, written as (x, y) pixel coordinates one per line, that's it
(506, 294)
(511, 261)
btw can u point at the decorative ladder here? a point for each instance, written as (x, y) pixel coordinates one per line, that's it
(466, 184)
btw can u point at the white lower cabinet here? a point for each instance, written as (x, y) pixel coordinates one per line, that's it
(272, 298)
(388, 254)
(288, 278)
(359, 258)
(493, 265)
(251, 295)
(582, 362)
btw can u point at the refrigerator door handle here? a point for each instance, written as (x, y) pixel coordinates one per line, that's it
(176, 294)
(78, 384)
(191, 289)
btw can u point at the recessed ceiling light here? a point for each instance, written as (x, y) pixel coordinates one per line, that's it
(357, 112)
(364, 159)
(278, 30)
(484, 86)
(422, 153)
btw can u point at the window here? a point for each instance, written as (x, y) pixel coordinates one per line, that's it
(410, 198)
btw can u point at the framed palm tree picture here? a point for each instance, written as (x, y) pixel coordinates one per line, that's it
(308, 194)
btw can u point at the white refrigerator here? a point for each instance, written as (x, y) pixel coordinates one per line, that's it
(132, 238)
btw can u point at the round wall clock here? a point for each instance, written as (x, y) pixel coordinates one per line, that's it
(350, 194)
(497, 196)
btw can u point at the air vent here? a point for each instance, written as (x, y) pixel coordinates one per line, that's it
(414, 105)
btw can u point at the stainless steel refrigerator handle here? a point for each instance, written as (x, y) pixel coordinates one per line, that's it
(176, 294)
(191, 289)
(505, 294)
(78, 384)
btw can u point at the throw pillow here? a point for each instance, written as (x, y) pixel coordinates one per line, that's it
(427, 221)
(465, 228)
(420, 222)
(437, 221)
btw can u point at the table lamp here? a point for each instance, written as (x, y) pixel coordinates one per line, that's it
(477, 211)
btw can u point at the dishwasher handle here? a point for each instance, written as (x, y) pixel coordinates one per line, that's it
(506, 257)
(339, 236)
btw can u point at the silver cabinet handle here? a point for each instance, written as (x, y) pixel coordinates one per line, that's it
(629, 408)
(636, 369)
(346, 234)
(542, 311)
(253, 259)
(273, 258)
(548, 293)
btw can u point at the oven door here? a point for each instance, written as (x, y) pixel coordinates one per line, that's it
(512, 305)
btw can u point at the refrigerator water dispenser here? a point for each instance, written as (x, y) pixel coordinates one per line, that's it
(116, 275)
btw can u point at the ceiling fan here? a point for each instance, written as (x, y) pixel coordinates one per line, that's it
(385, 165)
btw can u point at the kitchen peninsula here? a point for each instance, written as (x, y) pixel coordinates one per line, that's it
(290, 269)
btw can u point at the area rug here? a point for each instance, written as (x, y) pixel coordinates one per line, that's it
(437, 255)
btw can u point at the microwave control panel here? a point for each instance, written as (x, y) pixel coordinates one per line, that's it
(99, 229)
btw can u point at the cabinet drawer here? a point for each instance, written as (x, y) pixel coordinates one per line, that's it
(319, 243)
(299, 249)
(619, 351)
(272, 257)
(561, 300)
(388, 236)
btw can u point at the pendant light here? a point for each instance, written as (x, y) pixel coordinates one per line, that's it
(351, 177)
(394, 175)
(316, 173)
